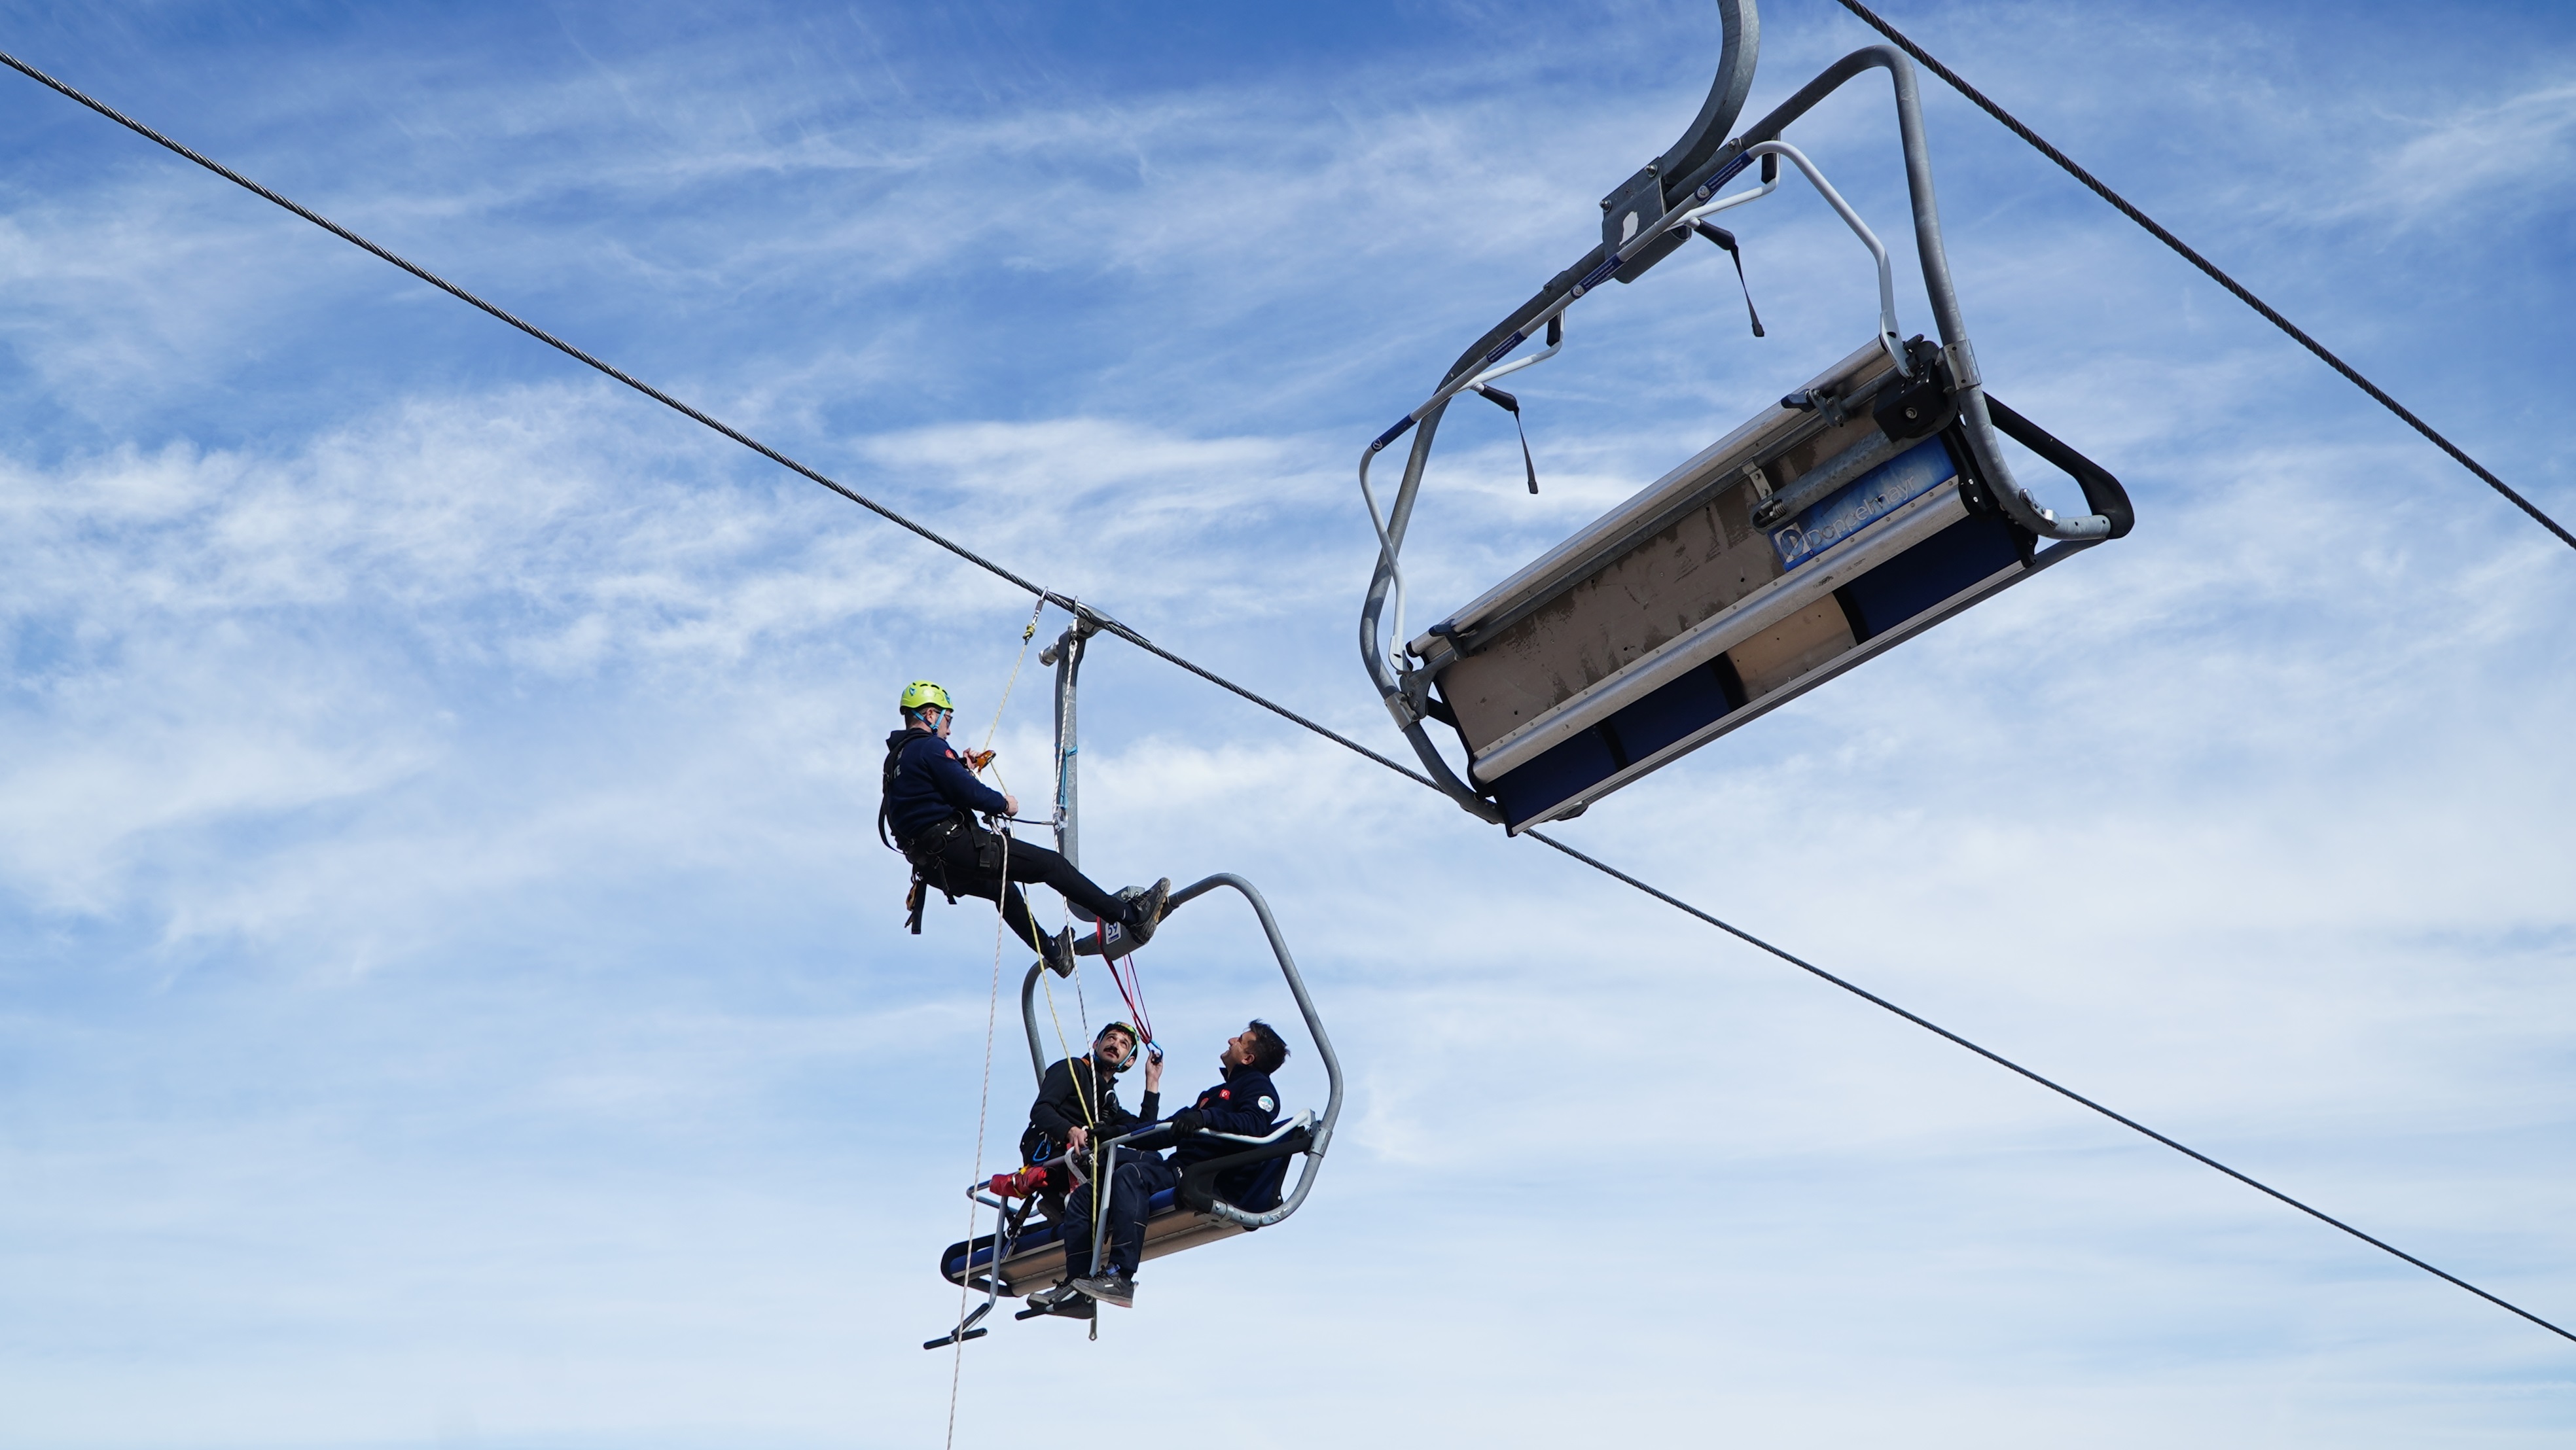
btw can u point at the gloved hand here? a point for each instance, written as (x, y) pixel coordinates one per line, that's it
(1188, 1121)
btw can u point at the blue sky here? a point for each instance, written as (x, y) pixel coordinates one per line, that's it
(450, 991)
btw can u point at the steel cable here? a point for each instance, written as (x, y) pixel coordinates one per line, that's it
(2189, 254)
(1132, 637)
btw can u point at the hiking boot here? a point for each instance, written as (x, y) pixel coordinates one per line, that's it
(1110, 1288)
(1057, 952)
(1146, 911)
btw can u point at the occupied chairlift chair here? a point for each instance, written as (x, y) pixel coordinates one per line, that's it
(1864, 508)
(1021, 1255)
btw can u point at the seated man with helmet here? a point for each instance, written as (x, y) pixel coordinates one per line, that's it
(1244, 1103)
(931, 801)
(1076, 1111)
(1078, 1098)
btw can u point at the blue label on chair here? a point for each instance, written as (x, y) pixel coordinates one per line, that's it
(1873, 496)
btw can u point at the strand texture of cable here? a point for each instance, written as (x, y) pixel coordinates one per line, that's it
(2189, 254)
(1302, 721)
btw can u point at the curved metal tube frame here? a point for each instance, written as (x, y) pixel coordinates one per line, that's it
(1323, 1131)
(1323, 1137)
(1407, 695)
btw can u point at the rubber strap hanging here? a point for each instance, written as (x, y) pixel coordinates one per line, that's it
(1512, 405)
(1131, 987)
(1726, 243)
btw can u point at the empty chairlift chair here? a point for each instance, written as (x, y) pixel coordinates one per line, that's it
(1861, 509)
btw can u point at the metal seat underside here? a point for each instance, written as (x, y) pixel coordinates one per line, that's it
(1675, 618)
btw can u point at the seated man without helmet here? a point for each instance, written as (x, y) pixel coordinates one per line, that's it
(1244, 1104)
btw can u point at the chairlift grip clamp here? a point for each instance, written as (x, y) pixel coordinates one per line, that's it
(1962, 360)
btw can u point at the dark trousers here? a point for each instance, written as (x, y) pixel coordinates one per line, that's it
(956, 872)
(1133, 1184)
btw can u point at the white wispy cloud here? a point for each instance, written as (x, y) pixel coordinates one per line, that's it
(453, 990)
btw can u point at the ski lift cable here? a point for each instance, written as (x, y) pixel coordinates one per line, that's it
(2184, 249)
(1123, 632)
(1068, 603)
(2061, 1089)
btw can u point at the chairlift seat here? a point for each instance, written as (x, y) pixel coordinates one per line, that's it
(1693, 608)
(1036, 1256)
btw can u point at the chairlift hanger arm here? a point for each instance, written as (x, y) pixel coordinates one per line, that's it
(1699, 142)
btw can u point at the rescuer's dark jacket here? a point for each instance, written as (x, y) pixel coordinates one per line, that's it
(1068, 1086)
(926, 785)
(1244, 1103)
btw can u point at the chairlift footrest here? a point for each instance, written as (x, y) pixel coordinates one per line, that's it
(954, 1337)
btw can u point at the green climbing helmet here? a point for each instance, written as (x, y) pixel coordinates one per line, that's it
(925, 692)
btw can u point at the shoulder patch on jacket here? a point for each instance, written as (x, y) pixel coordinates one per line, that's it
(1268, 1106)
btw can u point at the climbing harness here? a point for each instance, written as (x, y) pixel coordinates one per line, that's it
(1863, 508)
(1019, 1256)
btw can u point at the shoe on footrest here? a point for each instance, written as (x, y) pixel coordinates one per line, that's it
(1150, 904)
(1058, 952)
(1110, 1288)
(1061, 1298)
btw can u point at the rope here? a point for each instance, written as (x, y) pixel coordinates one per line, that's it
(1870, 18)
(992, 1009)
(983, 1102)
(1046, 596)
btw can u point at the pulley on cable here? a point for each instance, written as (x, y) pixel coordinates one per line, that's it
(1868, 504)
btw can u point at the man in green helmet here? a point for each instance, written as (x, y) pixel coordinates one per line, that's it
(931, 801)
